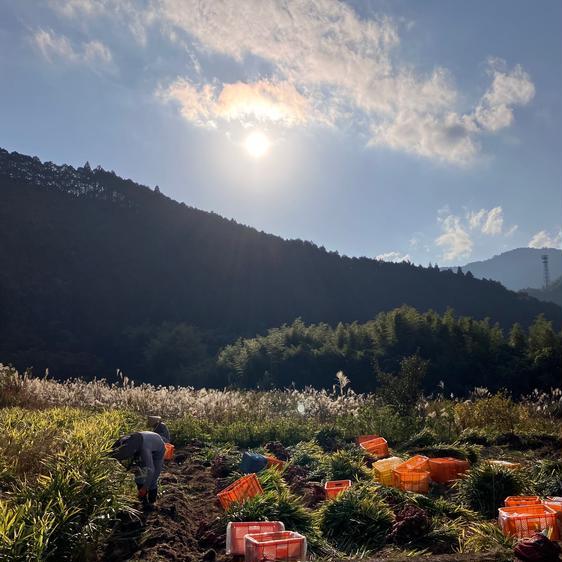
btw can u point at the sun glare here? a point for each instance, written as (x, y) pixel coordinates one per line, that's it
(257, 144)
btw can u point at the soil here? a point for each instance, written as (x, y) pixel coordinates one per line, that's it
(180, 529)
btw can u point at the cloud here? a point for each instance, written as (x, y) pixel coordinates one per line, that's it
(264, 100)
(454, 240)
(508, 89)
(488, 222)
(324, 64)
(58, 47)
(394, 256)
(543, 239)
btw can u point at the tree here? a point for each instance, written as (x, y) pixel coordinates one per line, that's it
(405, 388)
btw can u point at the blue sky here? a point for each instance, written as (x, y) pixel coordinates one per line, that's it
(401, 129)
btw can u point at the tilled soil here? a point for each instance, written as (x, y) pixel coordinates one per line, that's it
(180, 527)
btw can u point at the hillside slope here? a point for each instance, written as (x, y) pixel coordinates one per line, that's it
(89, 257)
(552, 294)
(519, 268)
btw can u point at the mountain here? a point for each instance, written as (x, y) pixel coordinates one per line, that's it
(517, 269)
(100, 273)
(551, 294)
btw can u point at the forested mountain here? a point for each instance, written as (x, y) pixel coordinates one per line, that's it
(100, 273)
(552, 293)
(517, 269)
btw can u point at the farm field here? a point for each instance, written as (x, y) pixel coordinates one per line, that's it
(62, 498)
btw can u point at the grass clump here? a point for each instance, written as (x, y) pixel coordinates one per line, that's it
(485, 487)
(455, 450)
(486, 536)
(274, 506)
(546, 478)
(356, 520)
(345, 465)
(307, 454)
(60, 492)
(330, 438)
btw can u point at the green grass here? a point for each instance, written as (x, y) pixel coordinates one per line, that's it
(60, 491)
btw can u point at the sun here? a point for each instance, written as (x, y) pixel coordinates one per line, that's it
(257, 144)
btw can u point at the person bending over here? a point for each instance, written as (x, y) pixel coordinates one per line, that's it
(145, 452)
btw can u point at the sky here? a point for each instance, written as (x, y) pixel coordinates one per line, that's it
(428, 131)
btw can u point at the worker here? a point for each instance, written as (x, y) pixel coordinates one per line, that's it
(145, 452)
(156, 424)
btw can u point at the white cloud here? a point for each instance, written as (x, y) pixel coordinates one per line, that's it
(544, 239)
(264, 100)
(332, 66)
(488, 222)
(455, 240)
(511, 231)
(394, 256)
(508, 89)
(58, 47)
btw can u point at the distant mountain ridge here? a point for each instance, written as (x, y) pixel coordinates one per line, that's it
(517, 269)
(552, 293)
(91, 261)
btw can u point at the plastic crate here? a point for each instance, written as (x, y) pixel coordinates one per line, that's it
(377, 447)
(285, 545)
(556, 506)
(417, 462)
(411, 480)
(512, 501)
(382, 470)
(272, 461)
(236, 533)
(334, 488)
(363, 438)
(168, 451)
(523, 521)
(446, 469)
(244, 488)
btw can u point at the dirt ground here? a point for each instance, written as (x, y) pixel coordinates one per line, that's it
(178, 529)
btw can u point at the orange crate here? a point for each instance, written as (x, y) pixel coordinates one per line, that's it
(244, 488)
(411, 480)
(286, 545)
(377, 447)
(556, 506)
(512, 501)
(417, 462)
(363, 438)
(334, 488)
(445, 469)
(236, 533)
(168, 451)
(523, 521)
(272, 461)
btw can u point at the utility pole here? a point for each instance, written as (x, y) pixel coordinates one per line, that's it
(546, 273)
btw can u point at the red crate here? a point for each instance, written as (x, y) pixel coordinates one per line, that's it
(236, 533)
(287, 546)
(523, 521)
(512, 501)
(272, 461)
(377, 447)
(446, 469)
(363, 438)
(334, 488)
(244, 488)
(411, 480)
